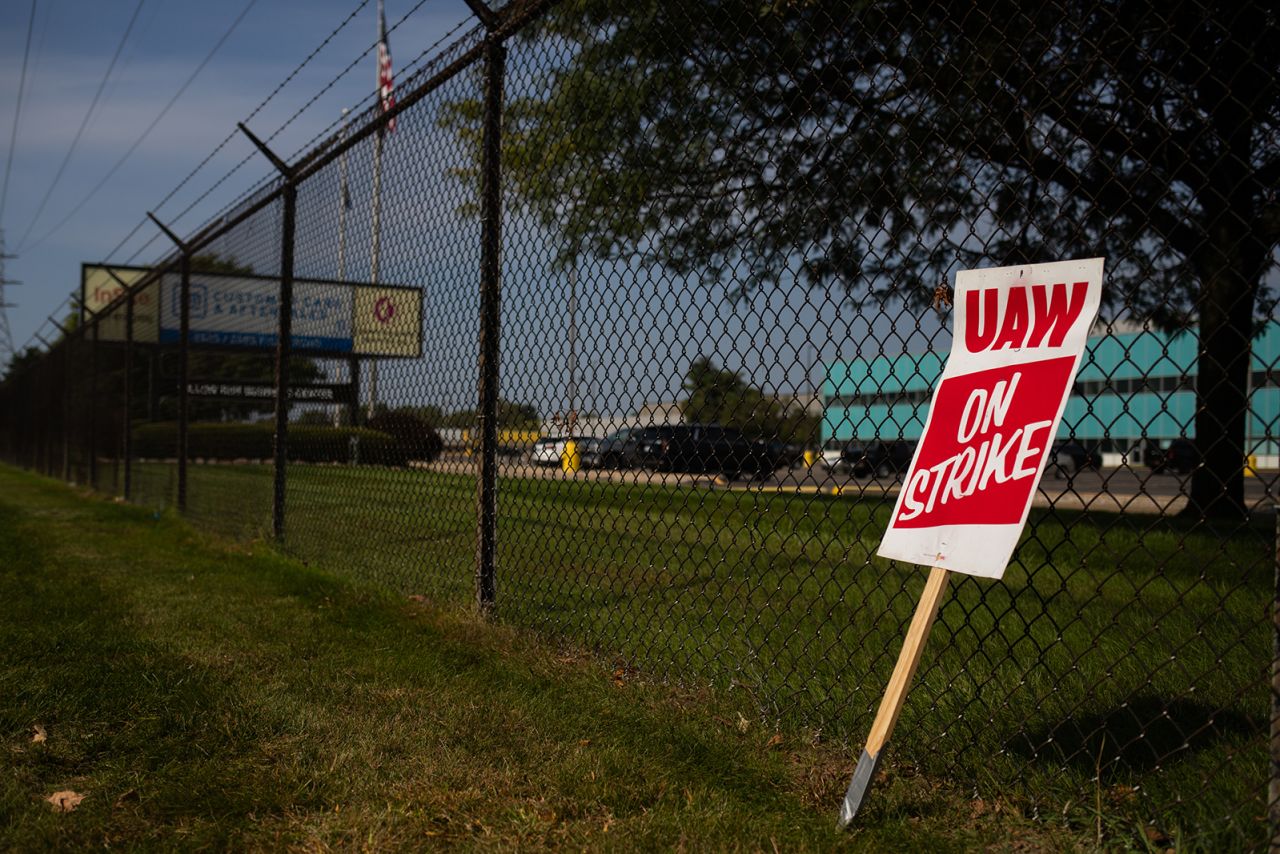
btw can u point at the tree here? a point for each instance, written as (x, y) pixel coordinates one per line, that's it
(513, 416)
(429, 414)
(720, 396)
(873, 147)
(20, 361)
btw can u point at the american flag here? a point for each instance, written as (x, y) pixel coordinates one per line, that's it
(386, 88)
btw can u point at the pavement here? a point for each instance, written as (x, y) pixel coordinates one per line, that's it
(1113, 490)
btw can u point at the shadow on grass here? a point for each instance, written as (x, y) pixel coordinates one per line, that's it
(1136, 737)
(138, 722)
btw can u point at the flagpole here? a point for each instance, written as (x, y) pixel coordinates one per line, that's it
(343, 197)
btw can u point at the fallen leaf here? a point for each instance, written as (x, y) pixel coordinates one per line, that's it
(617, 677)
(743, 723)
(774, 741)
(584, 742)
(65, 801)
(417, 597)
(40, 736)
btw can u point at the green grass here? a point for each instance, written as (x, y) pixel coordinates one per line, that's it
(1117, 674)
(206, 695)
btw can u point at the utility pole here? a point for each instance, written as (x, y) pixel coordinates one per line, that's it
(571, 416)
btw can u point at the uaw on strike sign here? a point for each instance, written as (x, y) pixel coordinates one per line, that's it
(1018, 338)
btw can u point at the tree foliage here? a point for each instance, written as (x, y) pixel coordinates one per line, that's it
(511, 415)
(875, 146)
(872, 148)
(720, 396)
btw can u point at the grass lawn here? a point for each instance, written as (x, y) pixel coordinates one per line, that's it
(1117, 675)
(199, 694)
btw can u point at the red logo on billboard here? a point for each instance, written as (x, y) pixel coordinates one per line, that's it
(989, 433)
(384, 309)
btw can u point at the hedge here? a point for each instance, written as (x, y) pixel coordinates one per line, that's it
(307, 443)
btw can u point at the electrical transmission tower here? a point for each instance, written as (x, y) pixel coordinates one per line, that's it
(6, 336)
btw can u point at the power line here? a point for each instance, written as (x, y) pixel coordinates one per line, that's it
(6, 332)
(137, 142)
(232, 135)
(83, 124)
(253, 155)
(17, 113)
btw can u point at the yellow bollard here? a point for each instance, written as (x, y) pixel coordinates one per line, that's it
(1251, 466)
(570, 460)
(810, 458)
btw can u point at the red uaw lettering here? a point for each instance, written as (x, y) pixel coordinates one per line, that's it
(980, 330)
(1053, 314)
(1013, 328)
(1016, 325)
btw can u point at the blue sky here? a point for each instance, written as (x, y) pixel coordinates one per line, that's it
(638, 329)
(72, 44)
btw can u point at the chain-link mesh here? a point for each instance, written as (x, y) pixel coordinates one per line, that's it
(710, 254)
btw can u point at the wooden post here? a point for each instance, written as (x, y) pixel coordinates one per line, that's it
(895, 694)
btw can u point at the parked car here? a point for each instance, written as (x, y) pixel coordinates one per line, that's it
(879, 459)
(703, 448)
(785, 454)
(618, 449)
(549, 450)
(589, 452)
(1180, 457)
(1067, 458)
(833, 452)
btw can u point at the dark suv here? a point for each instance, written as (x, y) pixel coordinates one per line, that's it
(1068, 457)
(1181, 457)
(618, 449)
(702, 448)
(881, 459)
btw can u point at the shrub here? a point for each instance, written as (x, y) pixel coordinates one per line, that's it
(307, 443)
(418, 439)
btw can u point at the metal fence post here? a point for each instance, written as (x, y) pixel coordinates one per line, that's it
(491, 237)
(184, 410)
(1273, 789)
(353, 408)
(284, 332)
(126, 450)
(94, 397)
(283, 352)
(65, 388)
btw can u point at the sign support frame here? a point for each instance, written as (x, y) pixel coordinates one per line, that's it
(895, 694)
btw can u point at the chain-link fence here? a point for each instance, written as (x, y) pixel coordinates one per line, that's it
(622, 322)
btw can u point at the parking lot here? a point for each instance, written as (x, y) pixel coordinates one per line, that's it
(1123, 489)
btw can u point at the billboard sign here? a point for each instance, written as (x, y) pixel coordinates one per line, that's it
(387, 321)
(244, 311)
(102, 284)
(329, 318)
(1018, 338)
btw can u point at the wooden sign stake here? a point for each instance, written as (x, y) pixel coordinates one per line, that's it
(895, 694)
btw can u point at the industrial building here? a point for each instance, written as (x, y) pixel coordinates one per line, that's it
(1135, 391)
